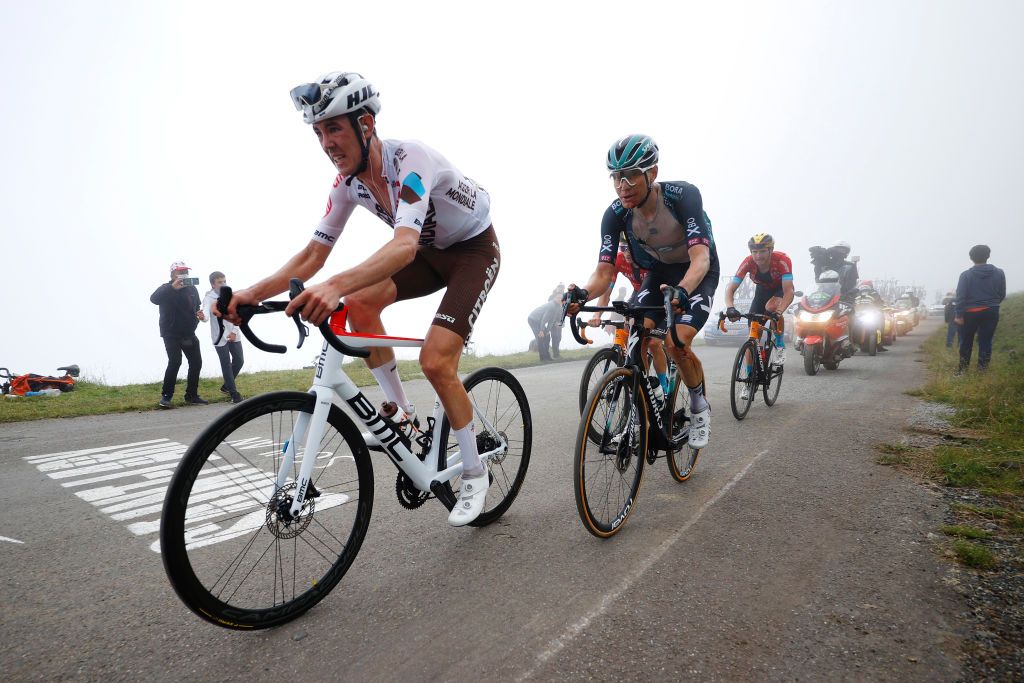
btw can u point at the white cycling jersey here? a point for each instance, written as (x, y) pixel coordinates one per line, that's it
(427, 194)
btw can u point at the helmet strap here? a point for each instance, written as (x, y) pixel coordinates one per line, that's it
(648, 195)
(363, 145)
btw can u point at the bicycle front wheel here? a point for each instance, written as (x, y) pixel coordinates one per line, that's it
(232, 551)
(770, 390)
(597, 367)
(502, 420)
(743, 384)
(608, 470)
(682, 457)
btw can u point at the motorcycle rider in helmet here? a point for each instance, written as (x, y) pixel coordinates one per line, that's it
(835, 258)
(867, 288)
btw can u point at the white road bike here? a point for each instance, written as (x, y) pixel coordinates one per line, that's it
(270, 504)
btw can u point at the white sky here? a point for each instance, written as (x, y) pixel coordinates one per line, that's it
(136, 134)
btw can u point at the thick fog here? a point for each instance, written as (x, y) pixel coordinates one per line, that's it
(137, 134)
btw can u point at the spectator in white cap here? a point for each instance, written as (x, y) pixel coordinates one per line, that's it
(180, 314)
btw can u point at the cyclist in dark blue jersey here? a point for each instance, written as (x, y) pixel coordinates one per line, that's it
(669, 234)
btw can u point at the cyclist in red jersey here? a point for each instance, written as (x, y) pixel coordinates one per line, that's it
(772, 274)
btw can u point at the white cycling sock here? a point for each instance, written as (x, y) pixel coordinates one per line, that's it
(471, 465)
(388, 379)
(697, 400)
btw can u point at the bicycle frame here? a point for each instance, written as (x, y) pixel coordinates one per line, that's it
(638, 332)
(332, 387)
(761, 328)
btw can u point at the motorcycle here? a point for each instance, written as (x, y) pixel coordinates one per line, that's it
(867, 324)
(888, 325)
(904, 318)
(823, 327)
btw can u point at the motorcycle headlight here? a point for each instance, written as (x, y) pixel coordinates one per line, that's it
(809, 317)
(868, 316)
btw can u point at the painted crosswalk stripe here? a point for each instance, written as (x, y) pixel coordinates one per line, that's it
(128, 483)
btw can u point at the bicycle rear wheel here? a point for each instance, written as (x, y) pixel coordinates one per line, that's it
(498, 398)
(597, 367)
(607, 472)
(770, 389)
(744, 378)
(232, 552)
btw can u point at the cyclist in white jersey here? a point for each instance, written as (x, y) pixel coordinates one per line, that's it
(443, 239)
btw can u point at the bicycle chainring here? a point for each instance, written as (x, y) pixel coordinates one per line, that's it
(409, 496)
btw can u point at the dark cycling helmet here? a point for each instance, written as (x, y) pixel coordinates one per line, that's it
(761, 240)
(632, 151)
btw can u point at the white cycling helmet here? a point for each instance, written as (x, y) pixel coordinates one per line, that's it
(335, 94)
(828, 276)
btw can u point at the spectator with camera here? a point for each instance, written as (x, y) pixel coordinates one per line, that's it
(229, 344)
(180, 314)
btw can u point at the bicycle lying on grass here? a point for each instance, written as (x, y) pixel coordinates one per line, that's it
(270, 504)
(754, 367)
(626, 423)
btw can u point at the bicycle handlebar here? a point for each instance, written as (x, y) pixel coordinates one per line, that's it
(754, 317)
(246, 312)
(624, 309)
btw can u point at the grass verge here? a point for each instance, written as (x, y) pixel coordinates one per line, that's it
(983, 454)
(91, 398)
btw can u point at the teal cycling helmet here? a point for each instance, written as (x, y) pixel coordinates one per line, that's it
(632, 151)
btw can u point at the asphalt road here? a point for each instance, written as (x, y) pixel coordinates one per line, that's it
(789, 554)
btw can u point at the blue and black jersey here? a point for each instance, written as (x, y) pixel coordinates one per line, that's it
(680, 223)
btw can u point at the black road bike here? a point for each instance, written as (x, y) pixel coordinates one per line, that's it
(753, 368)
(625, 424)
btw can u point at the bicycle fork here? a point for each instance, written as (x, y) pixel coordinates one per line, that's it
(309, 429)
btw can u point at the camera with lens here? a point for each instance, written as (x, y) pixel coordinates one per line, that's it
(194, 281)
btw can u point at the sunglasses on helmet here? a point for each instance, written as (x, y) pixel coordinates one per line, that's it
(312, 94)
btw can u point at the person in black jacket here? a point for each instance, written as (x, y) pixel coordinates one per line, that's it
(948, 314)
(981, 289)
(834, 258)
(180, 314)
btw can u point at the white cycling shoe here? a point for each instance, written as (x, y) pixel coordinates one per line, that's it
(780, 355)
(472, 495)
(745, 393)
(700, 428)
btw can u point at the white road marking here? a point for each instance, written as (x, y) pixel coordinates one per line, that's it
(570, 633)
(11, 540)
(128, 482)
